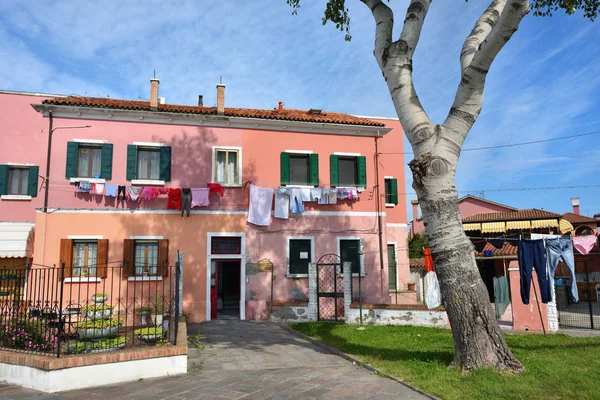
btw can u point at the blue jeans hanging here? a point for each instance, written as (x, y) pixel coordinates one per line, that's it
(562, 249)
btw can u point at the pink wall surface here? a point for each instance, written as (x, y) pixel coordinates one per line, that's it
(24, 140)
(526, 317)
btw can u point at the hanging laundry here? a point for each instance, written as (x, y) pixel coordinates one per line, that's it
(111, 190)
(342, 193)
(562, 249)
(296, 202)
(122, 190)
(533, 254)
(352, 194)
(149, 193)
(282, 203)
(261, 201)
(200, 197)
(99, 188)
(186, 201)
(216, 188)
(332, 196)
(84, 186)
(93, 188)
(133, 192)
(497, 243)
(163, 191)
(433, 296)
(584, 244)
(428, 259)
(174, 202)
(501, 295)
(479, 245)
(488, 253)
(316, 194)
(306, 194)
(324, 199)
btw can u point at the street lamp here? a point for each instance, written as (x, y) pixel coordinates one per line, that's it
(51, 130)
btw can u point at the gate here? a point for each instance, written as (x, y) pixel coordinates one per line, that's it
(330, 288)
(586, 313)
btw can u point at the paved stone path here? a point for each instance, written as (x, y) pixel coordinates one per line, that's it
(244, 360)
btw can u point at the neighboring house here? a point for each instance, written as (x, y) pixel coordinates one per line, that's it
(157, 145)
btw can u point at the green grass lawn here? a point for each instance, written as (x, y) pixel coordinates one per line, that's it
(556, 366)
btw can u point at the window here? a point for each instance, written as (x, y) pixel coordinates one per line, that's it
(85, 259)
(299, 169)
(350, 251)
(16, 180)
(227, 166)
(391, 253)
(89, 160)
(146, 257)
(226, 245)
(299, 255)
(148, 162)
(391, 191)
(348, 170)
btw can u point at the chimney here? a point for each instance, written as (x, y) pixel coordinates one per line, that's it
(280, 109)
(575, 204)
(154, 93)
(200, 100)
(220, 99)
(415, 212)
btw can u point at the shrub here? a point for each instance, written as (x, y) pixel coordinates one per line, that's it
(94, 308)
(99, 324)
(31, 334)
(149, 332)
(143, 309)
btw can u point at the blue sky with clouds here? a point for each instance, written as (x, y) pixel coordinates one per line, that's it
(544, 84)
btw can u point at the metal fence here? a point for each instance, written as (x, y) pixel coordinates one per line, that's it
(586, 313)
(45, 311)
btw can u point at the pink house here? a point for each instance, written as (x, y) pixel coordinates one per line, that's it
(152, 145)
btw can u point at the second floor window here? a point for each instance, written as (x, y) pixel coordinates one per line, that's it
(299, 169)
(89, 161)
(149, 161)
(348, 170)
(148, 164)
(227, 166)
(391, 191)
(18, 180)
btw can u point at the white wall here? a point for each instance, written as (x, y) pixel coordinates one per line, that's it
(432, 318)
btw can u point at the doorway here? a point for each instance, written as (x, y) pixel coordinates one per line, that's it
(225, 290)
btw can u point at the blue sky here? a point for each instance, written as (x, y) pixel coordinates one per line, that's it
(544, 84)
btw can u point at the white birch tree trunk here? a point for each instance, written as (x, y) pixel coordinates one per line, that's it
(478, 340)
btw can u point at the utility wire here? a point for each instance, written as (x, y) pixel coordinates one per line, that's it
(518, 144)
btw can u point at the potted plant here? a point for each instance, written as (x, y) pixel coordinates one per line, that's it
(98, 329)
(149, 335)
(97, 311)
(99, 298)
(143, 312)
(158, 311)
(411, 286)
(111, 344)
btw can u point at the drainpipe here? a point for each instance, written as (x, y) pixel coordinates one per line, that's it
(46, 183)
(379, 217)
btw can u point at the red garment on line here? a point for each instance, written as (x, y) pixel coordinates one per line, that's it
(174, 201)
(216, 188)
(428, 260)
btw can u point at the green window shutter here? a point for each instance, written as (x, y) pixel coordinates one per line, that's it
(106, 161)
(313, 166)
(361, 166)
(284, 165)
(72, 150)
(3, 179)
(334, 173)
(165, 163)
(394, 193)
(131, 162)
(32, 186)
(391, 251)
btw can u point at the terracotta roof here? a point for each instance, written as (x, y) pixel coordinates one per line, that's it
(579, 219)
(417, 263)
(507, 249)
(532, 213)
(286, 115)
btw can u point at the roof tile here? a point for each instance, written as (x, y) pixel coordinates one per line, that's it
(532, 213)
(579, 219)
(285, 115)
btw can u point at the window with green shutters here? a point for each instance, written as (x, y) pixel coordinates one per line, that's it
(299, 255)
(148, 163)
(391, 253)
(351, 251)
(347, 171)
(391, 191)
(299, 169)
(19, 180)
(89, 160)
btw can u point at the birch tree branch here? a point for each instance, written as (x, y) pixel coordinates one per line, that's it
(469, 95)
(384, 24)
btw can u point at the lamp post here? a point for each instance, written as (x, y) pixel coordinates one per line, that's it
(51, 131)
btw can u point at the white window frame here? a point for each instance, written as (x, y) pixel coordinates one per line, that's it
(144, 278)
(389, 205)
(395, 244)
(300, 152)
(362, 251)
(75, 279)
(90, 142)
(213, 171)
(287, 254)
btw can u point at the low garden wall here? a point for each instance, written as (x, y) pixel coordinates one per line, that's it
(397, 314)
(288, 311)
(50, 374)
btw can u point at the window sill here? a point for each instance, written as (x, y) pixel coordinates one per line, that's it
(147, 182)
(362, 274)
(390, 205)
(144, 278)
(83, 280)
(300, 186)
(230, 185)
(90, 180)
(15, 197)
(288, 275)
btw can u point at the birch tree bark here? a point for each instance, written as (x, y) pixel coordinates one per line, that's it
(478, 340)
